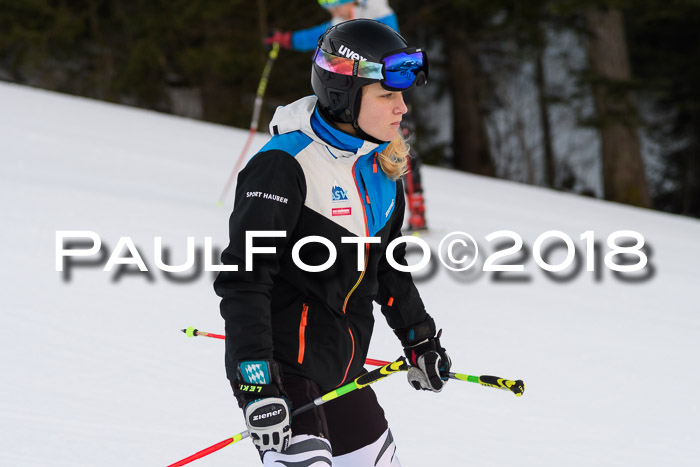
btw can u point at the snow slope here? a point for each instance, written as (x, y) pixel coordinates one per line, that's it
(95, 371)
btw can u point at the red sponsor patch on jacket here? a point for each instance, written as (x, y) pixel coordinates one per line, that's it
(341, 211)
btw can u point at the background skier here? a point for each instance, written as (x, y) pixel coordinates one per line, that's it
(305, 40)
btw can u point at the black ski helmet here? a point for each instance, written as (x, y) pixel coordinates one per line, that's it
(339, 96)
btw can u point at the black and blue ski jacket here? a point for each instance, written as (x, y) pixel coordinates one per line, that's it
(312, 179)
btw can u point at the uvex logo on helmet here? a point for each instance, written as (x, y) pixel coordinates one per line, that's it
(347, 53)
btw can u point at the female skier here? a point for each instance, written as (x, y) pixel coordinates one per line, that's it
(332, 169)
(305, 40)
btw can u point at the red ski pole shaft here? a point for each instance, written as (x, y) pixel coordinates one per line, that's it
(210, 449)
(372, 361)
(192, 332)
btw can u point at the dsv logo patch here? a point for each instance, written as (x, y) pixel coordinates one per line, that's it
(338, 194)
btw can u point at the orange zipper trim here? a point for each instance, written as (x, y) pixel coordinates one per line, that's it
(352, 338)
(302, 332)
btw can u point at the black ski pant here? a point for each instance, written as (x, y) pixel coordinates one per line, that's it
(349, 422)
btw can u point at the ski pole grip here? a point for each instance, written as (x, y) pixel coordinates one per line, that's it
(516, 387)
(382, 372)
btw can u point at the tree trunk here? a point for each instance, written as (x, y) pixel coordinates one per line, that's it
(541, 83)
(624, 179)
(470, 142)
(691, 187)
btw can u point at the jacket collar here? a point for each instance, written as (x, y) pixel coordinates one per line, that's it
(303, 115)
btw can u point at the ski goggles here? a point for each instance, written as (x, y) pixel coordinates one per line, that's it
(332, 3)
(397, 71)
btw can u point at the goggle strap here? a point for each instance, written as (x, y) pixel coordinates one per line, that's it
(361, 69)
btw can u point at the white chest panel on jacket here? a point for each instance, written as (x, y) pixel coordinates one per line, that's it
(331, 189)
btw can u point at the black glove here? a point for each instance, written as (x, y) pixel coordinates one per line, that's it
(265, 406)
(430, 363)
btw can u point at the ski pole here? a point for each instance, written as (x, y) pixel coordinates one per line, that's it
(359, 383)
(517, 387)
(262, 86)
(193, 332)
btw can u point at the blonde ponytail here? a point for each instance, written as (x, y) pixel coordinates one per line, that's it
(394, 159)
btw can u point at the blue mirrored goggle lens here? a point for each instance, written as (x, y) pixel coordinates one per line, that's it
(402, 69)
